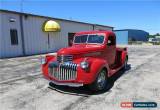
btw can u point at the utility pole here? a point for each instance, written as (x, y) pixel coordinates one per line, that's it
(21, 6)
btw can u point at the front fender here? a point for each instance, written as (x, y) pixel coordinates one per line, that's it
(124, 56)
(48, 58)
(95, 66)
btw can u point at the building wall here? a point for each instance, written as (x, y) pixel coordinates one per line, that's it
(102, 28)
(0, 35)
(121, 37)
(72, 27)
(8, 50)
(35, 40)
(137, 35)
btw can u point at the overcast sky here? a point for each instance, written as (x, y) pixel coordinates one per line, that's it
(143, 14)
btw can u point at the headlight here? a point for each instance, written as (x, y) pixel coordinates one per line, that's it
(84, 65)
(43, 61)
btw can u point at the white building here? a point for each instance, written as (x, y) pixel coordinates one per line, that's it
(22, 33)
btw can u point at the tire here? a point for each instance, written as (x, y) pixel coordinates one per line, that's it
(125, 64)
(101, 82)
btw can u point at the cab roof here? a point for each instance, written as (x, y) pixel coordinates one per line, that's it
(95, 32)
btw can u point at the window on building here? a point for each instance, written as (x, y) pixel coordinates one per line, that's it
(14, 37)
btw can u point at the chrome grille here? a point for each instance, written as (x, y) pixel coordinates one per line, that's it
(64, 58)
(66, 71)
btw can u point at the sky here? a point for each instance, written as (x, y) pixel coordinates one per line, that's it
(121, 14)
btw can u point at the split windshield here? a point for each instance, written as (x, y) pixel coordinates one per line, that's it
(89, 39)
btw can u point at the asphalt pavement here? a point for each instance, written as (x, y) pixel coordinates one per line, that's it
(22, 86)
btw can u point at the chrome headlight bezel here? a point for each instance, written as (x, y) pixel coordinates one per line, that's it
(84, 65)
(43, 61)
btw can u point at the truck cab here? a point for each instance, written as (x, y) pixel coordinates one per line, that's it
(91, 60)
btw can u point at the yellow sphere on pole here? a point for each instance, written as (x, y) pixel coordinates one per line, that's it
(51, 26)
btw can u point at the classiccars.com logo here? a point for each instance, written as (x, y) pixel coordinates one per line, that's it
(138, 104)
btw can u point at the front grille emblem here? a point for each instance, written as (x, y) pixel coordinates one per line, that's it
(64, 58)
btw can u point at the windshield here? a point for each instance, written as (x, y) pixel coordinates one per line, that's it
(89, 39)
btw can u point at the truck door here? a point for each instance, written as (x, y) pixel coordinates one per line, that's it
(111, 50)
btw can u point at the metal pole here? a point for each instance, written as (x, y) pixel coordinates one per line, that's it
(48, 41)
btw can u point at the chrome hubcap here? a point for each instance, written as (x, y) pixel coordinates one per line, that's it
(101, 79)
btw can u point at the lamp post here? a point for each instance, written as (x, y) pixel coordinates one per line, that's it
(50, 26)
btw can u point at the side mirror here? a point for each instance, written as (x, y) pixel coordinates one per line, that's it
(109, 42)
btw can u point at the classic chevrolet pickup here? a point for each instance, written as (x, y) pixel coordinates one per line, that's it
(91, 60)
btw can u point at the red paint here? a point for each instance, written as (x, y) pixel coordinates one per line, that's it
(99, 56)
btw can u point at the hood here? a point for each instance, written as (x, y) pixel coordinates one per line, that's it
(80, 49)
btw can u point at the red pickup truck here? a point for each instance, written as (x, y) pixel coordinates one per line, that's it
(91, 60)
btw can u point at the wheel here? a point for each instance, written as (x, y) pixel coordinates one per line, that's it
(101, 81)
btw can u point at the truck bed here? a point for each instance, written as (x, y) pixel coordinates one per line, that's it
(118, 61)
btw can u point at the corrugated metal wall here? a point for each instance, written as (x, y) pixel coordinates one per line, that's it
(121, 37)
(72, 27)
(138, 35)
(35, 40)
(102, 28)
(9, 50)
(0, 36)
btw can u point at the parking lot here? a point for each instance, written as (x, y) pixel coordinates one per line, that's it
(22, 87)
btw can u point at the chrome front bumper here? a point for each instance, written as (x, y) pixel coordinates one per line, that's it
(67, 84)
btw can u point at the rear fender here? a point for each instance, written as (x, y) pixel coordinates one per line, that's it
(124, 56)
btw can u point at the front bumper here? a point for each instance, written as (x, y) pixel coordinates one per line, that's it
(67, 84)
